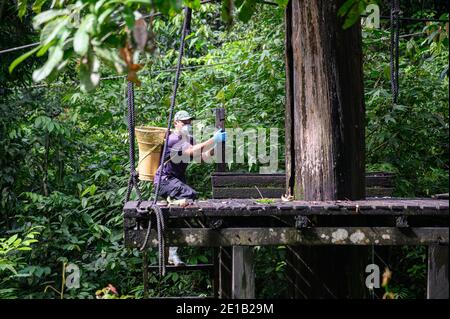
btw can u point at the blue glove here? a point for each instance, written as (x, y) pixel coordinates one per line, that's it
(220, 136)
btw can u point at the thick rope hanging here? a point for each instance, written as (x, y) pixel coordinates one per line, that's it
(394, 48)
(133, 181)
(154, 207)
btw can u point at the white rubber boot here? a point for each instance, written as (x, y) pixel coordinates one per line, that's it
(174, 259)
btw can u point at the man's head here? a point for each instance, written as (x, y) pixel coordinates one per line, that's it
(182, 119)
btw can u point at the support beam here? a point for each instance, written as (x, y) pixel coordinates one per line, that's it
(223, 258)
(335, 236)
(243, 277)
(224, 267)
(220, 147)
(437, 281)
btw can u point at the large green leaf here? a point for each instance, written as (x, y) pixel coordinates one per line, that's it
(104, 15)
(247, 10)
(22, 7)
(22, 58)
(12, 239)
(45, 48)
(53, 29)
(54, 58)
(352, 10)
(81, 42)
(48, 15)
(88, 24)
(282, 3)
(346, 6)
(98, 5)
(89, 75)
(37, 5)
(111, 57)
(81, 38)
(193, 4)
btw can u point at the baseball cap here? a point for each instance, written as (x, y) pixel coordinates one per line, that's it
(182, 115)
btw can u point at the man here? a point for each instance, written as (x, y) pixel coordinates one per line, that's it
(180, 150)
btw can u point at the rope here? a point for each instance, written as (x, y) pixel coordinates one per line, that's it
(394, 49)
(133, 181)
(115, 77)
(154, 207)
(20, 47)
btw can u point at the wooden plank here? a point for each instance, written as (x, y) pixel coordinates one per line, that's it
(249, 207)
(239, 174)
(205, 237)
(243, 273)
(379, 179)
(247, 192)
(441, 196)
(437, 281)
(246, 180)
(379, 191)
(221, 179)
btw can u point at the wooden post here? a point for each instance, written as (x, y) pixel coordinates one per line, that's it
(243, 277)
(145, 273)
(289, 107)
(223, 255)
(220, 149)
(235, 264)
(437, 281)
(325, 135)
(215, 278)
(224, 267)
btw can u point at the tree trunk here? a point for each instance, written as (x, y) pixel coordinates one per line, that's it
(325, 135)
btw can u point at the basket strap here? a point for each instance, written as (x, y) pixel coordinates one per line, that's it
(148, 153)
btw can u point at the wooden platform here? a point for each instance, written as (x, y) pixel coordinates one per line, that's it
(251, 207)
(245, 222)
(231, 226)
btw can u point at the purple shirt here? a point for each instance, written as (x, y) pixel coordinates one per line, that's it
(175, 161)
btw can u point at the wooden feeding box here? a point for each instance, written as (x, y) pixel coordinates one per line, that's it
(253, 185)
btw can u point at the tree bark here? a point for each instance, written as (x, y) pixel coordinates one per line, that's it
(325, 136)
(328, 98)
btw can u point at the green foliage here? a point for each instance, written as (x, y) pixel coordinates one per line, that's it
(10, 246)
(63, 153)
(351, 10)
(12, 261)
(271, 274)
(265, 201)
(106, 32)
(411, 137)
(65, 161)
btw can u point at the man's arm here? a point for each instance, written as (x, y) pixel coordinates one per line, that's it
(199, 147)
(208, 154)
(219, 136)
